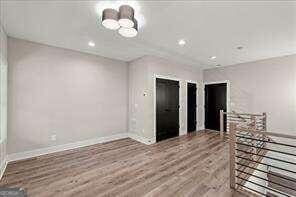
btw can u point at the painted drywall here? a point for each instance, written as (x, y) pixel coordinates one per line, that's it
(263, 86)
(3, 99)
(62, 94)
(138, 86)
(142, 74)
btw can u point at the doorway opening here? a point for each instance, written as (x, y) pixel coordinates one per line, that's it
(191, 107)
(215, 100)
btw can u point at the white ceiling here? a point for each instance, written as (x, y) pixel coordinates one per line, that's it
(212, 28)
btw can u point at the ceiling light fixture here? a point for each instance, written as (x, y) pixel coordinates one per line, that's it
(126, 16)
(182, 42)
(129, 32)
(213, 57)
(91, 44)
(110, 19)
(123, 20)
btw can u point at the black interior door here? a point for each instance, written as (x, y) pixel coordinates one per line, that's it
(191, 107)
(215, 100)
(167, 109)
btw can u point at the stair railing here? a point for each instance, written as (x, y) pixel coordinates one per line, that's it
(262, 162)
(253, 121)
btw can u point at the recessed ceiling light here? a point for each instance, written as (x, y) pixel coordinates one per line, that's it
(239, 47)
(91, 44)
(182, 42)
(213, 57)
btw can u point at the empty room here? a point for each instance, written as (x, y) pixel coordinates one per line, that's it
(147, 98)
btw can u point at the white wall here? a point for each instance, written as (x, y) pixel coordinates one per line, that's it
(3, 95)
(138, 85)
(141, 75)
(263, 86)
(3, 99)
(72, 95)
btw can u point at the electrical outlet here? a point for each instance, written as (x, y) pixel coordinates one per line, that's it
(53, 137)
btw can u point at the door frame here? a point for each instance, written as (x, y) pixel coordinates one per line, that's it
(157, 76)
(228, 103)
(186, 105)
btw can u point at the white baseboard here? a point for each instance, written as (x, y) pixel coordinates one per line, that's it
(141, 139)
(201, 128)
(182, 133)
(3, 168)
(53, 149)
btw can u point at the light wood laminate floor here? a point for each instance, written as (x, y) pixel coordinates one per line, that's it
(196, 164)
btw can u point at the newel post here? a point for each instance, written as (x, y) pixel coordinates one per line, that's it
(232, 152)
(221, 123)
